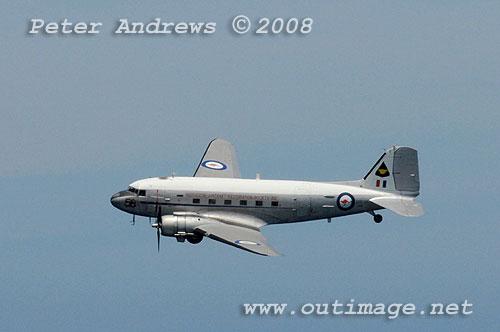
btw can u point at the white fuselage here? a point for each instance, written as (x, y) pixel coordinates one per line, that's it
(273, 201)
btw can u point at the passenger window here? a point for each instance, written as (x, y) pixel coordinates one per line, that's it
(227, 202)
(258, 203)
(243, 202)
(180, 195)
(274, 203)
(211, 201)
(196, 200)
(142, 192)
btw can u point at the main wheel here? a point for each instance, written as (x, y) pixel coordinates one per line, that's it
(377, 218)
(195, 238)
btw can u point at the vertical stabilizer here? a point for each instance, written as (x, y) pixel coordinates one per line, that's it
(396, 171)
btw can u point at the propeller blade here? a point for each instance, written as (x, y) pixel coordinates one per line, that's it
(158, 237)
(158, 225)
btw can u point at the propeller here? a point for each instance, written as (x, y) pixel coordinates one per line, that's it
(158, 221)
(158, 227)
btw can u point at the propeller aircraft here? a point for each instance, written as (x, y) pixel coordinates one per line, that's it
(217, 203)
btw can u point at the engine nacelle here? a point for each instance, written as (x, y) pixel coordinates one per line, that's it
(179, 225)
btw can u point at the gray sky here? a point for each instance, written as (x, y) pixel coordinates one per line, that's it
(83, 116)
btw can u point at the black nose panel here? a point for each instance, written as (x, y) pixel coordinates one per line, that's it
(122, 193)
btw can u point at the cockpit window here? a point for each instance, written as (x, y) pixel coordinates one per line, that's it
(136, 191)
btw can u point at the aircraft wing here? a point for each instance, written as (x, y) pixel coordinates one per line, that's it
(241, 237)
(219, 161)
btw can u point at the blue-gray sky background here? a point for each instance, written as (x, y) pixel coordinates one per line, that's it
(83, 116)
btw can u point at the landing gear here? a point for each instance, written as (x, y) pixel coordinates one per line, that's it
(376, 217)
(195, 238)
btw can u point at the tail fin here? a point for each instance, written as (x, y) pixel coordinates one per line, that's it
(396, 171)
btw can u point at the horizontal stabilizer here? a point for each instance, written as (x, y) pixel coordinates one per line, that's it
(404, 206)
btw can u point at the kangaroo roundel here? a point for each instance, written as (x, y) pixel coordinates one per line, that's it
(345, 201)
(214, 164)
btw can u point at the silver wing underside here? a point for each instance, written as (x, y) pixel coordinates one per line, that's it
(241, 237)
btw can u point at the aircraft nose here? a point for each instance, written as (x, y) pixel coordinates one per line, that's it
(115, 198)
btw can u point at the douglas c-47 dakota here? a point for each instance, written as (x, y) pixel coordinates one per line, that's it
(217, 203)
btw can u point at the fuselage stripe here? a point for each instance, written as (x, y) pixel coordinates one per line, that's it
(214, 205)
